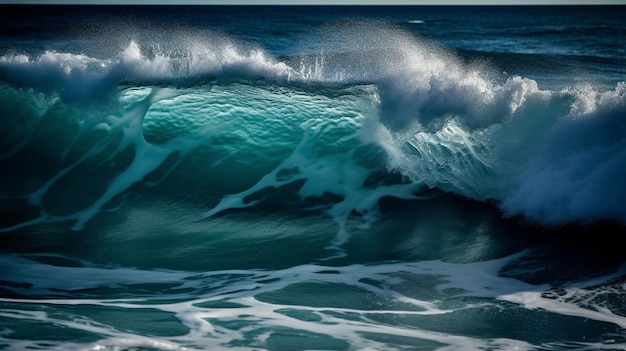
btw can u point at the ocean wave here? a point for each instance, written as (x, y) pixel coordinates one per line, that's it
(326, 123)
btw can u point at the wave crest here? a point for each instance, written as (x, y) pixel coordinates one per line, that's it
(552, 156)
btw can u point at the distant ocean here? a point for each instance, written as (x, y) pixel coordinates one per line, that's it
(312, 178)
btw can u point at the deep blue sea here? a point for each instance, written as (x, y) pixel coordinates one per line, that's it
(312, 178)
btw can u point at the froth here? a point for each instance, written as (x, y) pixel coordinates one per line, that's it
(401, 304)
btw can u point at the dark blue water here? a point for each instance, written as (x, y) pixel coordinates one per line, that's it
(312, 178)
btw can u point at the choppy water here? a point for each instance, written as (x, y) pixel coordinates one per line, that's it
(312, 178)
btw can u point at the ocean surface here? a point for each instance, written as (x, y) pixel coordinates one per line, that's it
(312, 178)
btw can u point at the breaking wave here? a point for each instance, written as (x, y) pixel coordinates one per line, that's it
(232, 127)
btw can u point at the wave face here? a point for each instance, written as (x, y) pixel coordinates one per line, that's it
(342, 179)
(423, 113)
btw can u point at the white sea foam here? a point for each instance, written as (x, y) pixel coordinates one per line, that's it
(249, 308)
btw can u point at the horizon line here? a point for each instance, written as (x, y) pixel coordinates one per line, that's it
(322, 2)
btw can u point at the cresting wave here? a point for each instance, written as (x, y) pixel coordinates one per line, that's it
(221, 127)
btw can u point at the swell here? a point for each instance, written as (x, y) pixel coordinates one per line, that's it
(339, 131)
